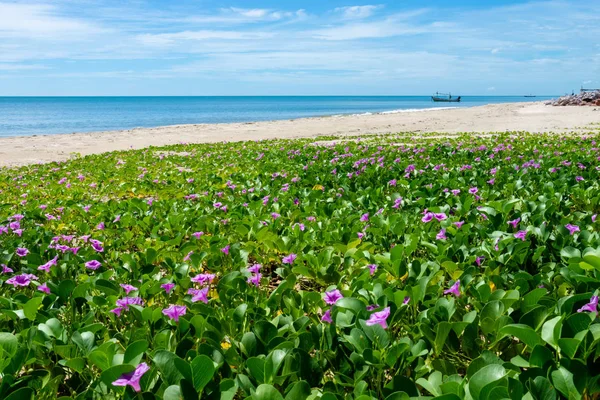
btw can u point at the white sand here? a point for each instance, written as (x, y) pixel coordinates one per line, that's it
(531, 117)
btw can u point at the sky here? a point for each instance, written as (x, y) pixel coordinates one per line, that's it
(297, 47)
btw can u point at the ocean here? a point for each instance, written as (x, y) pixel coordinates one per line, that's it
(27, 116)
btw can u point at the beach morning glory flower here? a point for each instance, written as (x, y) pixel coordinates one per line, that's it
(572, 228)
(592, 306)
(93, 264)
(168, 287)
(372, 268)
(459, 224)
(97, 245)
(440, 216)
(514, 222)
(44, 288)
(473, 190)
(454, 289)
(128, 288)
(379, 318)
(46, 267)
(188, 256)
(21, 280)
(364, 217)
(255, 279)
(333, 296)
(254, 268)
(22, 252)
(225, 250)
(6, 270)
(427, 217)
(594, 217)
(479, 260)
(441, 235)
(327, 317)
(520, 235)
(199, 295)
(197, 235)
(406, 300)
(174, 312)
(203, 278)
(133, 378)
(289, 259)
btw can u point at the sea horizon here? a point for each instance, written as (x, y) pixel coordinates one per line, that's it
(49, 115)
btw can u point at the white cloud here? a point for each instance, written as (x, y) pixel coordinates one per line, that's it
(40, 22)
(491, 89)
(165, 39)
(357, 12)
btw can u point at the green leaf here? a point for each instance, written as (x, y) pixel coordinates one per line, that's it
(135, 352)
(551, 331)
(299, 391)
(65, 288)
(203, 370)
(563, 382)
(266, 392)
(30, 308)
(173, 392)
(9, 342)
(113, 373)
(165, 361)
(442, 331)
(25, 393)
(523, 332)
(484, 377)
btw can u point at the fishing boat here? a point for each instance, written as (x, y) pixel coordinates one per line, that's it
(445, 97)
(529, 95)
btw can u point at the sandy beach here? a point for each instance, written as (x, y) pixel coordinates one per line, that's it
(531, 117)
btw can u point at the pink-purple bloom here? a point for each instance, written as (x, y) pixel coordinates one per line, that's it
(168, 287)
(133, 378)
(327, 317)
(592, 306)
(441, 235)
(199, 294)
(454, 289)
(379, 318)
(520, 235)
(128, 288)
(572, 228)
(225, 250)
(93, 264)
(203, 278)
(22, 252)
(21, 280)
(372, 268)
(174, 312)
(44, 288)
(514, 222)
(255, 279)
(333, 296)
(46, 267)
(289, 259)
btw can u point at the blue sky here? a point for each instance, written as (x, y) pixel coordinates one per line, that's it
(292, 47)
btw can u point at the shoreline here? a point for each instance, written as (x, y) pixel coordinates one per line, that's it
(522, 116)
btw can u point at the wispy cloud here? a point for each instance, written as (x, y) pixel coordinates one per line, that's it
(357, 12)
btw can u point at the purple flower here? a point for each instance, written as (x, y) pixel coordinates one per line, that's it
(455, 192)
(440, 216)
(459, 224)
(379, 318)
(255, 279)
(168, 287)
(117, 219)
(441, 235)
(133, 378)
(225, 250)
(44, 288)
(594, 217)
(128, 288)
(514, 222)
(427, 217)
(174, 312)
(360, 235)
(333, 296)
(199, 295)
(454, 289)
(197, 235)
(125, 302)
(46, 267)
(6, 270)
(579, 178)
(97, 245)
(372, 307)
(274, 215)
(22, 252)
(203, 278)
(364, 217)
(188, 256)
(592, 306)
(372, 268)
(21, 280)
(100, 226)
(479, 260)
(93, 264)
(406, 300)
(254, 268)
(520, 235)
(327, 317)
(572, 228)
(473, 190)
(289, 259)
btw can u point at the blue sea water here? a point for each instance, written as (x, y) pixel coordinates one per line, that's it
(26, 116)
